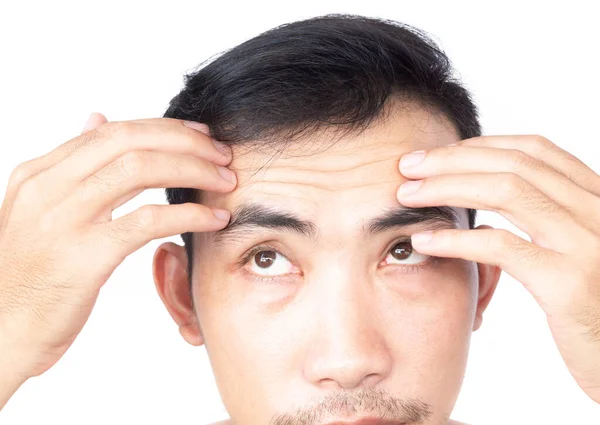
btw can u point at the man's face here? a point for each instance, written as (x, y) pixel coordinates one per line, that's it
(336, 320)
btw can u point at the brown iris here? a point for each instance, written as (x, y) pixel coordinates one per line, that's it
(265, 258)
(400, 251)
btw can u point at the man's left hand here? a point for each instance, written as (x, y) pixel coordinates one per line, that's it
(554, 198)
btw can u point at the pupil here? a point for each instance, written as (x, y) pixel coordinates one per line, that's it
(400, 252)
(265, 258)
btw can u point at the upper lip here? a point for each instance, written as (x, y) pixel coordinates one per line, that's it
(366, 421)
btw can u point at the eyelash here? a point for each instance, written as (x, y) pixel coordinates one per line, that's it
(414, 268)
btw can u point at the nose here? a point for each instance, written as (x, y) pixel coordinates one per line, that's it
(348, 348)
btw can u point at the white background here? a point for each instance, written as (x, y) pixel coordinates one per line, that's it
(532, 67)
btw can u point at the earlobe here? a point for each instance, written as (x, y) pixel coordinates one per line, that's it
(477, 322)
(171, 281)
(191, 333)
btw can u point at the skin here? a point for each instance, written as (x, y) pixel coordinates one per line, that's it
(350, 323)
(58, 237)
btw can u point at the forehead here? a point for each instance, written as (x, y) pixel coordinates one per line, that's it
(352, 171)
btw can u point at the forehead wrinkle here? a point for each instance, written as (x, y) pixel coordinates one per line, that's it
(365, 170)
(328, 188)
(294, 167)
(324, 180)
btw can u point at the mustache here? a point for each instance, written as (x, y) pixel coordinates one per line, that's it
(374, 402)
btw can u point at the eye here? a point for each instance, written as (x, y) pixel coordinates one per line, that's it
(403, 250)
(269, 262)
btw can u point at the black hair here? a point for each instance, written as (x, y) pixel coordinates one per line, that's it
(335, 72)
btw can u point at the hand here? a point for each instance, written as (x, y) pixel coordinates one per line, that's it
(58, 242)
(553, 197)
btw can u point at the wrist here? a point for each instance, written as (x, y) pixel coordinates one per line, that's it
(11, 377)
(8, 386)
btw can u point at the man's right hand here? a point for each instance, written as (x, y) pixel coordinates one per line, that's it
(59, 243)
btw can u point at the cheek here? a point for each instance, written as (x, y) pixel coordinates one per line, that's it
(442, 316)
(245, 355)
(439, 334)
(430, 338)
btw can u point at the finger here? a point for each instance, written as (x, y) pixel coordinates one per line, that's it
(99, 147)
(510, 195)
(94, 121)
(34, 166)
(132, 231)
(533, 266)
(472, 159)
(544, 150)
(97, 119)
(139, 170)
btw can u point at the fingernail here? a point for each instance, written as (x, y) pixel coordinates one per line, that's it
(409, 187)
(227, 174)
(422, 238)
(412, 159)
(221, 214)
(85, 126)
(198, 126)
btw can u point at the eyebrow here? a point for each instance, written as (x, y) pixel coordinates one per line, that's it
(252, 216)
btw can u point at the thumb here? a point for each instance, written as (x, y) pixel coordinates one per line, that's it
(94, 120)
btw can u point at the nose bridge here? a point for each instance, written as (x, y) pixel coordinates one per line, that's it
(348, 347)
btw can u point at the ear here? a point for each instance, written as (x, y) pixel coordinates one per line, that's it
(169, 268)
(489, 276)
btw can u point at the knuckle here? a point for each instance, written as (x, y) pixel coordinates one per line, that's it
(119, 129)
(492, 241)
(505, 238)
(508, 186)
(131, 163)
(541, 143)
(147, 216)
(508, 243)
(508, 239)
(123, 230)
(21, 173)
(517, 159)
(174, 166)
